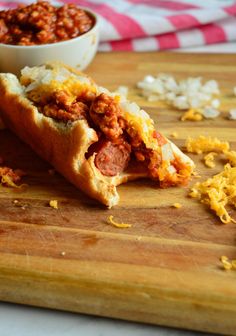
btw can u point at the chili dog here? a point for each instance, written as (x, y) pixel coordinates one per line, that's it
(95, 138)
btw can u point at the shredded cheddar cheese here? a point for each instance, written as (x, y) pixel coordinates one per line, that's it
(218, 192)
(228, 264)
(9, 177)
(174, 135)
(209, 159)
(53, 204)
(8, 181)
(231, 157)
(118, 225)
(204, 144)
(72, 87)
(194, 192)
(192, 115)
(196, 174)
(177, 205)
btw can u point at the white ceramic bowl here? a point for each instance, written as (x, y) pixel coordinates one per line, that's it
(77, 52)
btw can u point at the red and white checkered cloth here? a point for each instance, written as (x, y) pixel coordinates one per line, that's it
(147, 25)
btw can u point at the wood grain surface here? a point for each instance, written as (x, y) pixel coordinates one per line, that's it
(165, 269)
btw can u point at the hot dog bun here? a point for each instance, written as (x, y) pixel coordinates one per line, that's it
(65, 145)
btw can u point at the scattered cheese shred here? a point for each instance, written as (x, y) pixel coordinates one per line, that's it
(196, 174)
(192, 115)
(174, 135)
(194, 192)
(177, 205)
(204, 144)
(231, 157)
(228, 264)
(9, 177)
(209, 159)
(118, 225)
(7, 181)
(53, 204)
(218, 192)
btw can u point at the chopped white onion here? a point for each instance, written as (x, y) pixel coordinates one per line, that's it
(149, 79)
(101, 89)
(181, 102)
(122, 90)
(171, 169)
(167, 153)
(210, 113)
(133, 108)
(31, 87)
(215, 103)
(211, 87)
(232, 114)
(183, 94)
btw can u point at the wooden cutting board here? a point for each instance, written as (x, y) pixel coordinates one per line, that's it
(165, 269)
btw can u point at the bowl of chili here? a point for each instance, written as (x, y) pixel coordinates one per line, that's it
(40, 32)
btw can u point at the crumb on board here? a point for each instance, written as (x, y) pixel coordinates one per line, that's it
(53, 204)
(138, 238)
(20, 204)
(177, 205)
(118, 225)
(51, 172)
(63, 253)
(209, 159)
(228, 264)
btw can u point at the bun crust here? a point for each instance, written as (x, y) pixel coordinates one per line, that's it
(61, 145)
